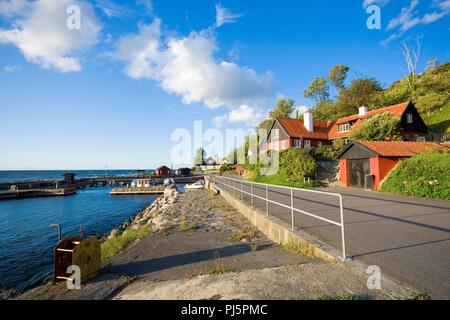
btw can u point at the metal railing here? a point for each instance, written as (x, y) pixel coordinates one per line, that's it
(235, 187)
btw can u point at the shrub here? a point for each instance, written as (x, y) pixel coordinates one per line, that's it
(377, 128)
(112, 247)
(426, 175)
(296, 164)
(324, 153)
(227, 168)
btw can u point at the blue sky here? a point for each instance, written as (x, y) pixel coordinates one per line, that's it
(112, 92)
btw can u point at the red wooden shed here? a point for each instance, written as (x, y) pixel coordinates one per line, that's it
(163, 171)
(365, 164)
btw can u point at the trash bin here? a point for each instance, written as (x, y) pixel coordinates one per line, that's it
(369, 181)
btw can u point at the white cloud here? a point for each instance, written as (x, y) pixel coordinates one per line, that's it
(12, 7)
(186, 66)
(42, 35)
(367, 3)
(245, 114)
(10, 69)
(224, 15)
(219, 121)
(141, 52)
(409, 17)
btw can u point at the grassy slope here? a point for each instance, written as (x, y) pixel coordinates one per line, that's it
(426, 175)
(432, 91)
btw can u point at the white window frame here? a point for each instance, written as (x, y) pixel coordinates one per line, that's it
(319, 144)
(283, 145)
(344, 127)
(297, 143)
(409, 118)
(307, 143)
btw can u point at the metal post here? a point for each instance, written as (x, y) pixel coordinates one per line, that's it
(292, 208)
(267, 200)
(341, 203)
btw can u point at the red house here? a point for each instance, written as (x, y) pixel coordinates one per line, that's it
(366, 164)
(310, 133)
(163, 171)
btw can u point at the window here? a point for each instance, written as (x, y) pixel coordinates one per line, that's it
(307, 143)
(276, 133)
(421, 139)
(319, 144)
(283, 145)
(409, 118)
(297, 143)
(344, 127)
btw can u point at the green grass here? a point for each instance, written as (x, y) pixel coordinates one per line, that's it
(187, 227)
(112, 247)
(247, 233)
(439, 120)
(426, 175)
(298, 248)
(280, 180)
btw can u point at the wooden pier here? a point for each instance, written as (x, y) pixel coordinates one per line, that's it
(32, 193)
(137, 191)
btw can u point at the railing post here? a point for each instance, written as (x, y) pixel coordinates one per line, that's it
(341, 203)
(292, 209)
(267, 200)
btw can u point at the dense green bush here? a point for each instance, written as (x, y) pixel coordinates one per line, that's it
(296, 164)
(377, 128)
(225, 168)
(324, 153)
(426, 175)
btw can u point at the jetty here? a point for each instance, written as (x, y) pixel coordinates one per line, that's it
(137, 191)
(32, 193)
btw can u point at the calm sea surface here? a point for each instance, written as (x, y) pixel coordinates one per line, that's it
(30, 175)
(27, 241)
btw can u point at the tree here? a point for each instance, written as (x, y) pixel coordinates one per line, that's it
(358, 94)
(411, 57)
(318, 90)
(380, 127)
(200, 156)
(337, 76)
(325, 111)
(296, 164)
(283, 109)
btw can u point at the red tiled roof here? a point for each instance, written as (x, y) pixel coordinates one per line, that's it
(396, 110)
(330, 130)
(399, 149)
(296, 129)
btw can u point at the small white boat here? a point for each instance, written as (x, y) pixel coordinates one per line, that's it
(196, 186)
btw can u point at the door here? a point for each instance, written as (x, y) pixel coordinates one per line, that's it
(357, 170)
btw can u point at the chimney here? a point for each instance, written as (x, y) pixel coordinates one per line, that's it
(362, 111)
(308, 121)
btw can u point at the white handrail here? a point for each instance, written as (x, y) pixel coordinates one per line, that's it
(340, 224)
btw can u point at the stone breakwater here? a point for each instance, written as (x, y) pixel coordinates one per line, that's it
(156, 217)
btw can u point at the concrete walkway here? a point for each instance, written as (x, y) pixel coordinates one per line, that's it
(408, 238)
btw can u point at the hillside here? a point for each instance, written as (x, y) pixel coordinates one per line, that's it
(432, 97)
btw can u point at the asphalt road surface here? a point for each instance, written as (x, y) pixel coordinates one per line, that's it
(408, 238)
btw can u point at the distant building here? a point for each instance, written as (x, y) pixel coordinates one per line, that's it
(141, 174)
(163, 171)
(141, 183)
(69, 177)
(183, 172)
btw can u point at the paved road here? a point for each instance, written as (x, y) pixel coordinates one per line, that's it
(409, 238)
